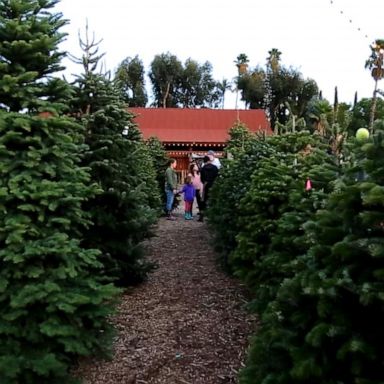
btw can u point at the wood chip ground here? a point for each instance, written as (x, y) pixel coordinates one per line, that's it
(187, 324)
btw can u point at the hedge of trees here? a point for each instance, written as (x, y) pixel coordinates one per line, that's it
(78, 195)
(301, 222)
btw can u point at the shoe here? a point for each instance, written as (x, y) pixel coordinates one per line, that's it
(173, 218)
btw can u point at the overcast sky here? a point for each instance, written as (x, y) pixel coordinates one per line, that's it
(326, 40)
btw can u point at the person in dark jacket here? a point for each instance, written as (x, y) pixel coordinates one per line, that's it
(208, 174)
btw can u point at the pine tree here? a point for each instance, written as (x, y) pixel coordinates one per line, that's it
(159, 159)
(232, 184)
(120, 163)
(146, 168)
(326, 325)
(274, 209)
(52, 309)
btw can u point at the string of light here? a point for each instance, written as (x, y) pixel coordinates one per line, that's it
(351, 21)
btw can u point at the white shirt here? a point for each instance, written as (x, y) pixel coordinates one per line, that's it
(216, 162)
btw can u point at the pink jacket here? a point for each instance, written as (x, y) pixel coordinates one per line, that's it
(196, 181)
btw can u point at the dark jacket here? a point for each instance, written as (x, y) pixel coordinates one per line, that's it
(208, 174)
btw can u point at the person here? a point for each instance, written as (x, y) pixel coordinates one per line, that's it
(170, 187)
(189, 195)
(208, 175)
(194, 172)
(215, 161)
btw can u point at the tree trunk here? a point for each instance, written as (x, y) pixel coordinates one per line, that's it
(166, 94)
(373, 108)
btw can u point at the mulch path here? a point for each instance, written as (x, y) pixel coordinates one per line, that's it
(187, 324)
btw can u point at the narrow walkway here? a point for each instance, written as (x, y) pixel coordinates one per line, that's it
(185, 325)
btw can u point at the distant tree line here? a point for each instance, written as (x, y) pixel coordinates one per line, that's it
(283, 92)
(191, 85)
(174, 84)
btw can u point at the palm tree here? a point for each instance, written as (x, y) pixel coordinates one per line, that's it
(273, 60)
(242, 63)
(375, 64)
(318, 112)
(223, 86)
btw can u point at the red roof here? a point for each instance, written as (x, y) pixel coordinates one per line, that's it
(178, 125)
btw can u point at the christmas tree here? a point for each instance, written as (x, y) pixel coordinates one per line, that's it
(232, 184)
(160, 160)
(286, 189)
(120, 163)
(325, 325)
(52, 309)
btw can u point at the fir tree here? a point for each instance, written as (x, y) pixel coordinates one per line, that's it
(120, 163)
(326, 325)
(52, 309)
(160, 159)
(232, 184)
(30, 56)
(146, 168)
(274, 209)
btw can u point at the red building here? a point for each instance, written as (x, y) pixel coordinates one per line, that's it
(187, 133)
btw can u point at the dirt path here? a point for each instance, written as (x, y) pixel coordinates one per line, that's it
(185, 325)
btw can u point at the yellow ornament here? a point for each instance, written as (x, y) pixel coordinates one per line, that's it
(362, 134)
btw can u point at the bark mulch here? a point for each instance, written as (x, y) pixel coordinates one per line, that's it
(187, 324)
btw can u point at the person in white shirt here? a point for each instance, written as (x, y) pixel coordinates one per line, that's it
(214, 160)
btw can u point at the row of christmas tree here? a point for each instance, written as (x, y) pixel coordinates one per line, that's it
(300, 220)
(78, 195)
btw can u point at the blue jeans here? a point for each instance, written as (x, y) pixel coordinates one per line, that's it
(170, 197)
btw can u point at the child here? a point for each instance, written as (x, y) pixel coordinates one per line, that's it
(189, 195)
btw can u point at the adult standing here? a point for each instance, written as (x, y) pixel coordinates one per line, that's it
(194, 172)
(170, 187)
(215, 161)
(209, 173)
